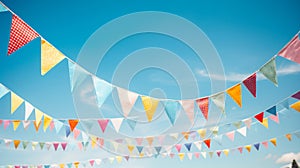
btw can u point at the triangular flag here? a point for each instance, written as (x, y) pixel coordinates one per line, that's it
(296, 95)
(16, 102)
(58, 125)
(218, 139)
(126, 157)
(73, 124)
(47, 121)
(256, 146)
(41, 145)
(2, 8)
(197, 155)
(190, 156)
(248, 122)
(36, 125)
(139, 141)
(16, 143)
(64, 145)
(25, 144)
(76, 164)
(269, 71)
(6, 123)
(240, 149)
(3, 90)
(50, 57)
(285, 103)
(127, 100)
(38, 115)
(265, 122)
(28, 110)
(274, 141)
(130, 148)
(92, 162)
(248, 147)
(235, 93)
(188, 146)
(211, 154)
(265, 144)
(226, 152)
(203, 154)
(292, 50)
(296, 106)
(186, 135)
(161, 138)
(171, 108)
(259, 117)
(55, 145)
(203, 104)
(103, 124)
(289, 136)
(117, 122)
(188, 107)
(68, 131)
(150, 140)
(238, 124)
(76, 133)
(242, 131)
(16, 124)
(230, 135)
(181, 156)
(26, 124)
(178, 147)
(119, 159)
(139, 148)
(198, 144)
(150, 106)
(218, 153)
(272, 110)
(202, 133)
(77, 75)
(158, 149)
(207, 142)
(20, 34)
(250, 84)
(103, 89)
(131, 124)
(275, 118)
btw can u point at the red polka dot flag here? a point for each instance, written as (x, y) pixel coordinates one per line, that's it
(20, 34)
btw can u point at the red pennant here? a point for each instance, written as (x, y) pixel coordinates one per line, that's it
(20, 34)
(250, 84)
(207, 142)
(203, 105)
(73, 124)
(259, 117)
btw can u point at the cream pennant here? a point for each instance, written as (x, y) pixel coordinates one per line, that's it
(242, 131)
(26, 124)
(248, 122)
(189, 107)
(127, 100)
(219, 100)
(50, 57)
(16, 102)
(117, 122)
(28, 110)
(202, 133)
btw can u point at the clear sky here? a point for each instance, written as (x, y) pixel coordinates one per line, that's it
(244, 34)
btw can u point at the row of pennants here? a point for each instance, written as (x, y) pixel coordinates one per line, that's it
(21, 34)
(181, 156)
(70, 124)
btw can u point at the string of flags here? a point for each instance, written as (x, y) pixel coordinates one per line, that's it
(50, 57)
(189, 154)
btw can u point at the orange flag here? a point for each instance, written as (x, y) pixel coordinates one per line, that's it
(289, 136)
(73, 124)
(274, 141)
(16, 143)
(296, 106)
(235, 93)
(207, 142)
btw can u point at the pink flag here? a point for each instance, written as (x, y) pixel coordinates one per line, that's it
(275, 118)
(265, 143)
(139, 141)
(103, 124)
(178, 147)
(76, 133)
(230, 135)
(292, 50)
(55, 145)
(64, 145)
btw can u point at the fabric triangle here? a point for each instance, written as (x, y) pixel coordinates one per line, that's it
(248, 147)
(296, 106)
(157, 149)
(219, 101)
(103, 89)
(190, 156)
(207, 143)
(103, 124)
(77, 75)
(256, 146)
(274, 141)
(117, 122)
(73, 124)
(16, 102)
(265, 122)
(150, 140)
(197, 155)
(130, 148)
(20, 34)
(291, 50)
(38, 115)
(240, 149)
(230, 135)
(259, 117)
(58, 125)
(296, 95)
(16, 124)
(6, 123)
(242, 131)
(285, 104)
(37, 125)
(188, 146)
(250, 84)
(131, 124)
(3, 90)
(161, 139)
(150, 106)
(76, 133)
(16, 143)
(289, 137)
(139, 141)
(178, 147)
(50, 57)
(269, 71)
(272, 110)
(181, 156)
(235, 93)
(28, 110)
(2, 8)
(265, 144)
(203, 104)
(119, 159)
(238, 124)
(47, 121)
(171, 108)
(188, 107)
(275, 118)
(211, 154)
(139, 148)
(186, 135)
(248, 122)
(68, 131)
(25, 144)
(226, 152)
(127, 100)
(26, 124)
(202, 133)
(41, 145)
(218, 153)
(203, 154)
(88, 124)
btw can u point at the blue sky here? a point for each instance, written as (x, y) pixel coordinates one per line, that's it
(245, 34)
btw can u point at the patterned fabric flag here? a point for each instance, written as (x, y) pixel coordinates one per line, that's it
(20, 34)
(235, 93)
(150, 106)
(269, 71)
(292, 50)
(188, 107)
(250, 84)
(127, 100)
(171, 108)
(203, 104)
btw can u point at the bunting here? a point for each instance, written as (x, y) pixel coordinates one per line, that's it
(103, 89)
(127, 100)
(203, 104)
(292, 50)
(16, 102)
(235, 93)
(296, 106)
(150, 106)
(269, 71)
(188, 107)
(219, 100)
(250, 84)
(171, 108)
